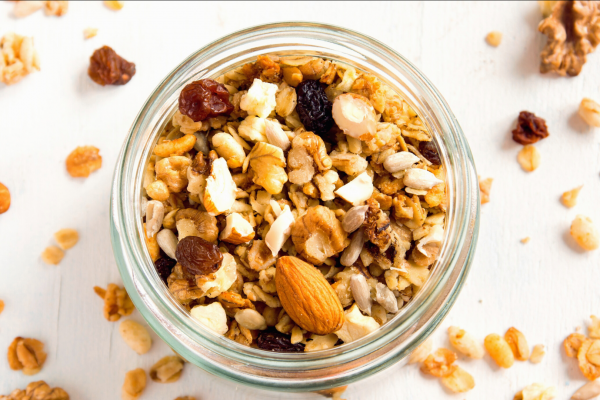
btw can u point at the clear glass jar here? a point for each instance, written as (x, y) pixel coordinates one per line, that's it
(316, 370)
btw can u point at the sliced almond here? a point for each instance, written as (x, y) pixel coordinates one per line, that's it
(219, 194)
(358, 190)
(280, 231)
(237, 230)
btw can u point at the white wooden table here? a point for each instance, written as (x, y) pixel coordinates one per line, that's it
(545, 288)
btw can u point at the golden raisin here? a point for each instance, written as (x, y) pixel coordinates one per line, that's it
(109, 68)
(83, 161)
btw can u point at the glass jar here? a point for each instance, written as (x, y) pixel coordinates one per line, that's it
(296, 372)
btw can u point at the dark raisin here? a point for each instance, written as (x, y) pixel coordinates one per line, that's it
(314, 108)
(204, 99)
(109, 68)
(197, 256)
(276, 341)
(429, 151)
(530, 129)
(164, 266)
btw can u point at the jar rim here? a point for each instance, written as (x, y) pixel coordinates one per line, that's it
(327, 368)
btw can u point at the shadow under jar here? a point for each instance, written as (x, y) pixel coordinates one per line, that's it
(308, 371)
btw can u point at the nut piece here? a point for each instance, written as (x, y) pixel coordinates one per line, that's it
(485, 187)
(326, 182)
(321, 342)
(518, 344)
(420, 179)
(37, 391)
(318, 234)
(176, 147)
(152, 245)
(440, 363)
(238, 230)
(536, 391)
(89, 33)
(52, 255)
(4, 199)
(83, 161)
(420, 353)
(268, 163)
(352, 252)
(386, 298)
(212, 317)
(192, 222)
(25, 8)
(116, 302)
(155, 213)
(220, 281)
(351, 164)
(167, 370)
(227, 147)
(537, 354)
(136, 336)
(588, 391)
(588, 357)
(219, 194)
(594, 327)
(499, 350)
(66, 238)
(18, 57)
(306, 149)
(173, 171)
(354, 218)
(167, 241)
(361, 292)
(134, 385)
(400, 161)
(286, 101)
(589, 111)
(27, 355)
(260, 99)
(572, 31)
(251, 319)
(276, 136)
(569, 198)
(459, 381)
(307, 297)
(465, 343)
(529, 158)
(355, 115)
(356, 325)
(585, 233)
(572, 344)
(253, 129)
(280, 231)
(494, 38)
(357, 190)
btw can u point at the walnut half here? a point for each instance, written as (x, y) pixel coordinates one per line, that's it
(573, 31)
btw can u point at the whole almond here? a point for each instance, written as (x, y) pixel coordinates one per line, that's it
(307, 297)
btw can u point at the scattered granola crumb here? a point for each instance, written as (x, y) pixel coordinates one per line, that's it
(4, 197)
(116, 302)
(485, 186)
(536, 391)
(334, 393)
(39, 390)
(52, 255)
(525, 240)
(1, 306)
(594, 327)
(589, 110)
(185, 398)
(134, 385)
(136, 336)
(569, 198)
(529, 158)
(83, 161)
(167, 369)
(537, 354)
(18, 57)
(585, 233)
(494, 38)
(89, 33)
(114, 5)
(23, 9)
(66, 238)
(27, 355)
(56, 8)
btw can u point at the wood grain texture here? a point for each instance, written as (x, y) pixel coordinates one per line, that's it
(545, 288)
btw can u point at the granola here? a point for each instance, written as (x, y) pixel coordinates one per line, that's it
(345, 181)
(18, 57)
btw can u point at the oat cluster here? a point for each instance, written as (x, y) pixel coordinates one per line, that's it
(18, 58)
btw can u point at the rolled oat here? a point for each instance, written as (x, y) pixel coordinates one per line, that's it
(465, 343)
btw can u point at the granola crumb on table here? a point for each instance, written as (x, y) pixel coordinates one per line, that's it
(4, 199)
(39, 390)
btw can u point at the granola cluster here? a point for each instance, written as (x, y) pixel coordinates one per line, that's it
(237, 182)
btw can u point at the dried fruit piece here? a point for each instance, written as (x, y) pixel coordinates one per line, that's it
(83, 161)
(314, 108)
(136, 336)
(39, 390)
(163, 266)
(66, 238)
(529, 158)
(440, 363)
(197, 256)
(4, 199)
(518, 344)
(307, 297)
(589, 111)
(52, 255)
(530, 129)
(275, 341)
(167, 370)
(459, 381)
(430, 152)
(134, 385)
(569, 198)
(585, 233)
(204, 99)
(499, 350)
(109, 68)
(494, 38)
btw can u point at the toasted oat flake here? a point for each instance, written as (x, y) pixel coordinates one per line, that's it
(52, 255)
(585, 233)
(485, 187)
(569, 198)
(89, 33)
(536, 391)
(537, 354)
(589, 111)
(494, 38)
(529, 158)
(459, 381)
(66, 238)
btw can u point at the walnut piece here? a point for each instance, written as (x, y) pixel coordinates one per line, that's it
(192, 222)
(39, 390)
(173, 171)
(318, 234)
(377, 226)
(440, 363)
(116, 302)
(26, 355)
(573, 31)
(268, 163)
(306, 149)
(485, 187)
(260, 256)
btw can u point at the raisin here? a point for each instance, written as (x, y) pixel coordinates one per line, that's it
(429, 151)
(204, 99)
(314, 108)
(277, 341)
(164, 266)
(530, 129)
(197, 256)
(201, 165)
(109, 68)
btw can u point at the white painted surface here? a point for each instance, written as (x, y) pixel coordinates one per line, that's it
(545, 288)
